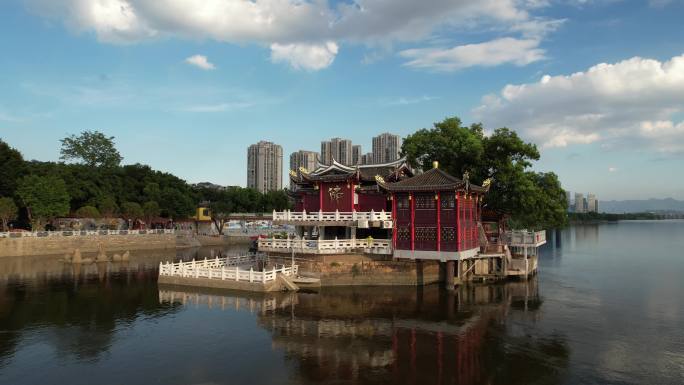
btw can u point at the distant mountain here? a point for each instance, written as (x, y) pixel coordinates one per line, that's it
(636, 206)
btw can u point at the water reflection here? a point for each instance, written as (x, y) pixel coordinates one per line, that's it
(402, 334)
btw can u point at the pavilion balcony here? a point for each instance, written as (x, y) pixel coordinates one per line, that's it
(326, 246)
(355, 218)
(523, 238)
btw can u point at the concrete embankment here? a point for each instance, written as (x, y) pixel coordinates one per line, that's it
(365, 270)
(60, 245)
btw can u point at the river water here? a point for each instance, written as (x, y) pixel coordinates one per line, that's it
(606, 308)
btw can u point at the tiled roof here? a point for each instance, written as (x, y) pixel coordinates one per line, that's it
(432, 180)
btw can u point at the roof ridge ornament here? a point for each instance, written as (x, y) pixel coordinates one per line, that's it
(466, 179)
(293, 173)
(303, 170)
(379, 179)
(487, 183)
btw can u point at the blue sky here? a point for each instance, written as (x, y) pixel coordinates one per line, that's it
(186, 86)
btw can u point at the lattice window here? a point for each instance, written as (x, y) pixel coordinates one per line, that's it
(425, 201)
(448, 234)
(426, 234)
(402, 202)
(447, 201)
(403, 234)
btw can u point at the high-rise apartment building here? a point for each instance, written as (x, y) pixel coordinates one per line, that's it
(265, 166)
(592, 203)
(338, 149)
(367, 158)
(579, 202)
(302, 158)
(357, 154)
(386, 148)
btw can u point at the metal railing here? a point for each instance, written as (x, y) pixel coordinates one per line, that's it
(328, 246)
(224, 269)
(301, 216)
(85, 233)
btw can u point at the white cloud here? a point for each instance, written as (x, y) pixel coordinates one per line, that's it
(296, 28)
(506, 50)
(304, 56)
(200, 61)
(221, 107)
(632, 102)
(403, 101)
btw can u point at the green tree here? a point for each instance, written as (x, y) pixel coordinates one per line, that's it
(88, 212)
(533, 200)
(11, 169)
(45, 198)
(176, 204)
(92, 148)
(8, 211)
(107, 206)
(220, 211)
(150, 210)
(131, 210)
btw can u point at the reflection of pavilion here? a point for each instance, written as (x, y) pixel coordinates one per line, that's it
(390, 335)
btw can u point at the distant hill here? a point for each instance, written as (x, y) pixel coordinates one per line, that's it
(636, 206)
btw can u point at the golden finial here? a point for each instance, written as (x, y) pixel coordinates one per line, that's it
(379, 179)
(303, 170)
(487, 182)
(293, 173)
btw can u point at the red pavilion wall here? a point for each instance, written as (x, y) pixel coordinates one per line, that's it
(336, 196)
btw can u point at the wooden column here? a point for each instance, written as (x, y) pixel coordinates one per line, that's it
(439, 221)
(412, 205)
(394, 222)
(320, 196)
(458, 221)
(450, 275)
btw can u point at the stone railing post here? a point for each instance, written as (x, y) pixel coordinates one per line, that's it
(303, 214)
(275, 215)
(320, 215)
(336, 244)
(251, 274)
(353, 215)
(237, 273)
(337, 215)
(383, 216)
(372, 215)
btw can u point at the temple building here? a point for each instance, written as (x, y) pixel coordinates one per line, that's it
(385, 212)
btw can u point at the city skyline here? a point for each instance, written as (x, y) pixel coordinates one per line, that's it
(595, 85)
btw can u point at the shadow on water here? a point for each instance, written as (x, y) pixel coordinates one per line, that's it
(392, 335)
(92, 318)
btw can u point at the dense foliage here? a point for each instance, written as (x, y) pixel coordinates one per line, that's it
(8, 211)
(98, 186)
(592, 217)
(45, 198)
(533, 200)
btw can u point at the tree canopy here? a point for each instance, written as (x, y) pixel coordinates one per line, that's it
(88, 212)
(11, 169)
(45, 198)
(8, 211)
(533, 200)
(92, 148)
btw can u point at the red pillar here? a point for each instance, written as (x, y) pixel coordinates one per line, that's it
(351, 193)
(320, 196)
(413, 217)
(458, 221)
(439, 221)
(394, 222)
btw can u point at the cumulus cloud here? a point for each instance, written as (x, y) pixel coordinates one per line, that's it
(491, 53)
(631, 102)
(304, 56)
(200, 61)
(298, 28)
